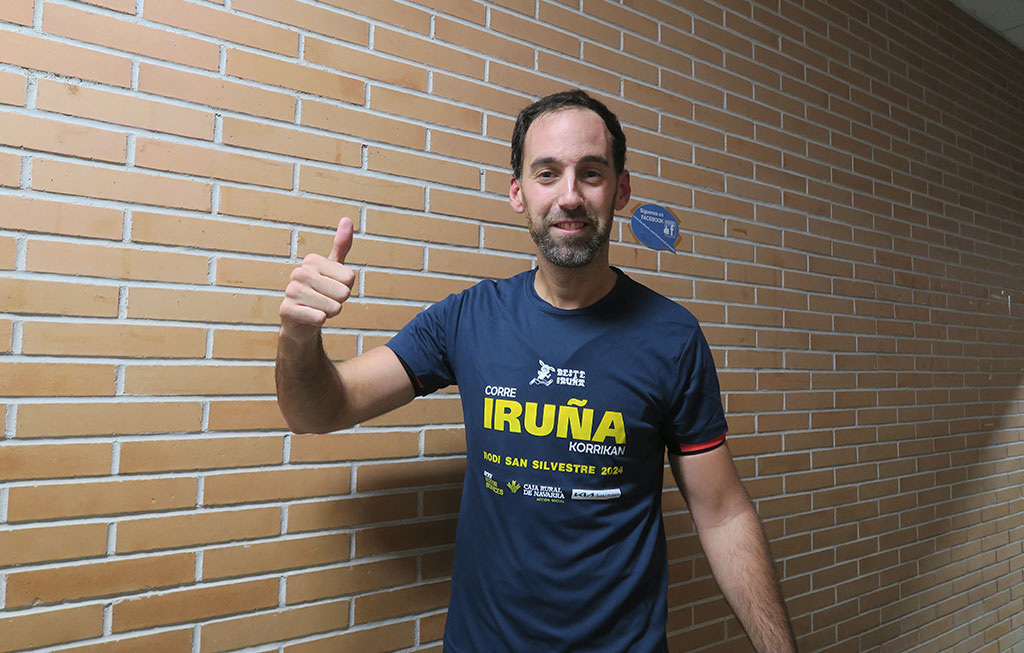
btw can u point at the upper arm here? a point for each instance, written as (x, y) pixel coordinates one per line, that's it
(373, 383)
(710, 484)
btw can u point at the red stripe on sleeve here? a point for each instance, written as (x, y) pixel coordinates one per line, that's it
(702, 446)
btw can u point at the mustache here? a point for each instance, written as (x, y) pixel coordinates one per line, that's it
(576, 216)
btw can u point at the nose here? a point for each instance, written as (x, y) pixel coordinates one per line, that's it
(569, 196)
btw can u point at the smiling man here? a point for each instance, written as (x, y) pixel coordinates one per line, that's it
(575, 381)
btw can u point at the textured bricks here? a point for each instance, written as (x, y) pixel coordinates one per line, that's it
(115, 262)
(214, 92)
(32, 630)
(222, 25)
(69, 419)
(350, 579)
(99, 498)
(194, 604)
(32, 133)
(209, 527)
(257, 558)
(115, 184)
(99, 579)
(127, 36)
(275, 626)
(849, 214)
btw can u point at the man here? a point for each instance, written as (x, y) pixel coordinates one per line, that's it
(574, 380)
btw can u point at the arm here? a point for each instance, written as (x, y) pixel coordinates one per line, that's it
(735, 545)
(314, 395)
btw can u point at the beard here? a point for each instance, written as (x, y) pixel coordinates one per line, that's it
(571, 251)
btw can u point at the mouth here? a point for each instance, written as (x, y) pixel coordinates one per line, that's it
(571, 226)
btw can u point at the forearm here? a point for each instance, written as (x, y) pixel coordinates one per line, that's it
(309, 390)
(741, 561)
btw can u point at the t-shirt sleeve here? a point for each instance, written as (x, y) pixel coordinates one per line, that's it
(423, 347)
(696, 419)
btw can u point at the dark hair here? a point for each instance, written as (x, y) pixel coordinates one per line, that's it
(567, 100)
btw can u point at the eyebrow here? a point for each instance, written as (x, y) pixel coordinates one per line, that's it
(591, 158)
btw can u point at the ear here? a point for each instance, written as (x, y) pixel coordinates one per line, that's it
(515, 195)
(623, 191)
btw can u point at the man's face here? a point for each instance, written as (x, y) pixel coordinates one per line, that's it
(568, 188)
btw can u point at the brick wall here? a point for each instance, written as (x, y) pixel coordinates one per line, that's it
(850, 180)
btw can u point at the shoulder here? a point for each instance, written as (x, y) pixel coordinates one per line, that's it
(493, 289)
(481, 295)
(650, 305)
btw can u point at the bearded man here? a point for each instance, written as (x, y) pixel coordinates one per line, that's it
(575, 381)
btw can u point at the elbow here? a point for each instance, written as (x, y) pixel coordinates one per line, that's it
(311, 421)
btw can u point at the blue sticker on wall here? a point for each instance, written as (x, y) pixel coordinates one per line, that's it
(655, 226)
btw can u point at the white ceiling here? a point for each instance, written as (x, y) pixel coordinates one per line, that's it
(1004, 16)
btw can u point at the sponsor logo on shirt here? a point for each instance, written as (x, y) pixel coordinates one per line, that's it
(543, 374)
(596, 495)
(548, 374)
(544, 492)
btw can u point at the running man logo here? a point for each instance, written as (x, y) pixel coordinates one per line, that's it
(543, 374)
(573, 419)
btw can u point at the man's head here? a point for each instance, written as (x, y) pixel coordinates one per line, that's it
(570, 179)
(567, 100)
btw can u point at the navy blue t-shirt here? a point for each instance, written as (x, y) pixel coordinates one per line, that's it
(560, 544)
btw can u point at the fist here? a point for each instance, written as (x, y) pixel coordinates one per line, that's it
(318, 288)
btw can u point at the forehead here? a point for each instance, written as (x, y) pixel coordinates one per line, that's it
(567, 133)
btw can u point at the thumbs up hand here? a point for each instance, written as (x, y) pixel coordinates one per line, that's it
(318, 288)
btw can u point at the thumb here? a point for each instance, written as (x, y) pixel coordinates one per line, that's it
(342, 241)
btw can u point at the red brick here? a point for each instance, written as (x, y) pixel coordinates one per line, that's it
(391, 637)
(274, 626)
(208, 234)
(55, 379)
(51, 543)
(362, 63)
(196, 528)
(307, 17)
(120, 109)
(268, 485)
(393, 603)
(18, 11)
(116, 184)
(485, 41)
(35, 133)
(40, 587)
(205, 162)
(407, 46)
(295, 142)
(37, 53)
(100, 498)
(199, 453)
(194, 604)
(32, 461)
(129, 37)
(174, 640)
(32, 630)
(67, 419)
(276, 72)
(115, 262)
(203, 306)
(281, 207)
(215, 92)
(353, 186)
(12, 89)
(260, 557)
(220, 24)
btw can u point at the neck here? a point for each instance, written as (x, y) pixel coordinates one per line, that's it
(569, 288)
